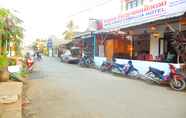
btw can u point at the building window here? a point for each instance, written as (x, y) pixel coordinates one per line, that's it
(131, 4)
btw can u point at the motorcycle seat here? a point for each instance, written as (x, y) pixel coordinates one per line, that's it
(156, 70)
(162, 72)
(118, 65)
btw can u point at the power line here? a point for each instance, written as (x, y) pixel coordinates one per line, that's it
(88, 9)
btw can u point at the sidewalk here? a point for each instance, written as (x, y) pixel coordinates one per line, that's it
(11, 99)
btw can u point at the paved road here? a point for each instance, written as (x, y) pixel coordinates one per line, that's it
(66, 91)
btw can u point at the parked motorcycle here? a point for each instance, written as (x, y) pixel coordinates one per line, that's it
(130, 70)
(117, 68)
(125, 69)
(106, 66)
(30, 63)
(86, 61)
(175, 80)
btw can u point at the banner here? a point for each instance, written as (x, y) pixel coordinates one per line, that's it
(158, 10)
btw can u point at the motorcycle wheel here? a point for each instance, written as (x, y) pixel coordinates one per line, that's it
(90, 64)
(178, 85)
(149, 77)
(134, 74)
(81, 63)
(102, 68)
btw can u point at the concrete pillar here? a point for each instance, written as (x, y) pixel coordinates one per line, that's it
(154, 45)
(94, 45)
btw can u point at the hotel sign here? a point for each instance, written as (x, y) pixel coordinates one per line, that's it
(158, 10)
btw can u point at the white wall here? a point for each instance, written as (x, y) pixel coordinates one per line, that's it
(142, 66)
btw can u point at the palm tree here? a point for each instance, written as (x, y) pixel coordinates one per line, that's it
(70, 31)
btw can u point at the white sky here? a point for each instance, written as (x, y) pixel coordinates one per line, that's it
(43, 18)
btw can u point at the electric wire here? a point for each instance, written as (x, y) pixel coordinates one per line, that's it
(89, 9)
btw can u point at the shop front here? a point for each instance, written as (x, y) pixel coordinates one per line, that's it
(156, 41)
(151, 33)
(85, 41)
(113, 44)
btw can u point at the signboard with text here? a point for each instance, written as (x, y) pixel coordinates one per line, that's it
(157, 10)
(49, 43)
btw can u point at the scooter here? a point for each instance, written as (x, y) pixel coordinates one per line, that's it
(106, 66)
(86, 61)
(30, 63)
(175, 80)
(117, 68)
(130, 70)
(125, 69)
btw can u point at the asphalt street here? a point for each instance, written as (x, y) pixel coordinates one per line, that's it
(58, 90)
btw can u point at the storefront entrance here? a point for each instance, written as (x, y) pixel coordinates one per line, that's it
(141, 46)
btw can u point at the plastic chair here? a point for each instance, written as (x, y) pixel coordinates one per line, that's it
(148, 57)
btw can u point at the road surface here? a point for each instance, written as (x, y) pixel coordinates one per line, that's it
(58, 90)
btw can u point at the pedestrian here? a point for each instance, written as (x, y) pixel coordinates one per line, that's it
(39, 56)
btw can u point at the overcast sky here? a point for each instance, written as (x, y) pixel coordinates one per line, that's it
(43, 18)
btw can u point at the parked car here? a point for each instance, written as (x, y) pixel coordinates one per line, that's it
(71, 56)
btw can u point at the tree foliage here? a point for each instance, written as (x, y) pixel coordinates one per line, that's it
(10, 31)
(70, 31)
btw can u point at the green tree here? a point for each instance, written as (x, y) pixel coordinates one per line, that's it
(70, 31)
(11, 32)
